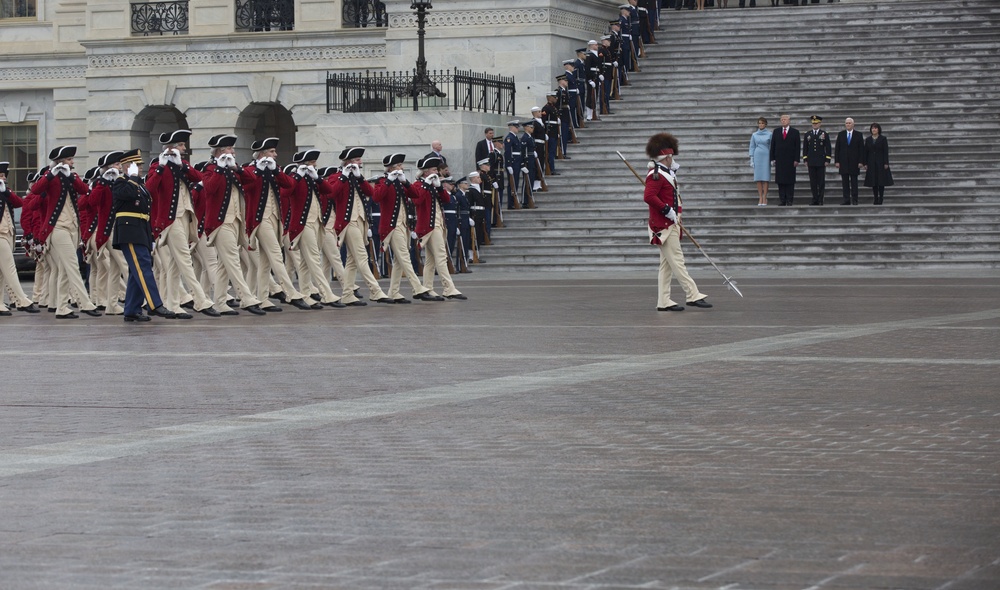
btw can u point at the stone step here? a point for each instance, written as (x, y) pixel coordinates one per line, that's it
(647, 255)
(728, 241)
(731, 250)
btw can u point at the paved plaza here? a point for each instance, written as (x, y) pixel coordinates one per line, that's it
(553, 432)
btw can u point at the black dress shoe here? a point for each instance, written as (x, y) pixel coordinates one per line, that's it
(188, 305)
(229, 312)
(5, 313)
(300, 304)
(210, 312)
(458, 296)
(255, 309)
(30, 308)
(316, 297)
(385, 300)
(401, 301)
(163, 312)
(101, 308)
(280, 296)
(358, 303)
(66, 316)
(428, 297)
(92, 313)
(50, 309)
(137, 318)
(233, 302)
(671, 308)
(182, 316)
(357, 293)
(272, 308)
(702, 303)
(336, 304)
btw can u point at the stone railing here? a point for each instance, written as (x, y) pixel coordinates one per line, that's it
(157, 18)
(372, 92)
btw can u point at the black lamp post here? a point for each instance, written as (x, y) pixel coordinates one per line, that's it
(422, 85)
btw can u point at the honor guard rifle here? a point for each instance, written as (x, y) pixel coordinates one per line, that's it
(526, 191)
(510, 190)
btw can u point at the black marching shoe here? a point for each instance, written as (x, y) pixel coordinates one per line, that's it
(671, 308)
(94, 313)
(5, 313)
(280, 296)
(229, 312)
(336, 304)
(163, 312)
(401, 301)
(188, 305)
(255, 309)
(182, 316)
(358, 303)
(29, 308)
(67, 316)
(300, 304)
(458, 296)
(385, 300)
(272, 308)
(210, 312)
(137, 318)
(702, 303)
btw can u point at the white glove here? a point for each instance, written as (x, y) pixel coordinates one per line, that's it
(111, 174)
(133, 169)
(592, 83)
(226, 161)
(524, 169)
(165, 158)
(174, 156)
(672, 215)
(261, 164)
(369, 232)
(496, 186)
(436, 181)
(301, 171)
(601, 77)
(413, 235)
(62, 169)
(355, 171)
(510, 171)
(311, 172)
(271, 164)
(3, 186)
(751, 162)
(614, 64)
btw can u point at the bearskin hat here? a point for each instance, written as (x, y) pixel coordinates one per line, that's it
(659, 145)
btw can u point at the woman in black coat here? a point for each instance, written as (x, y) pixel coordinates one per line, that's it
(877, 172)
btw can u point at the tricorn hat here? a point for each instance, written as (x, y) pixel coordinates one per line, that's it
(223, 140)
(91, 173)
(429, 162)
(266, 144)
(289, 168)
(327, 171)
(351, 153)
(661, 144)
(393, 159)
(306, 156)
(63, 151)
(179, 136)
(110, 158)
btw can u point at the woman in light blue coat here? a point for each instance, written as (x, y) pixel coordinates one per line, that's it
(760, 159)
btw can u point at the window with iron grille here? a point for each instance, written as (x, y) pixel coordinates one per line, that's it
(19, 146)
(17, 8)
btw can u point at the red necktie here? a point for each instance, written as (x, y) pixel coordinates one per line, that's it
(784, 134)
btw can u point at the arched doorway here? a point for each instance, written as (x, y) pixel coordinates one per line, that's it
(150, 123)
(261, 120)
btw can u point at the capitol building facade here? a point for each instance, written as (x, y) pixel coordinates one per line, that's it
(115, 74)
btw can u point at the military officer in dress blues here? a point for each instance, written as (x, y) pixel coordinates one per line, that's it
(9, 281)
(133, 235)
(464, 208)
(572, 91)
(567, 111)
(450, 216)
(539, 134)
(550, 118)
(529, 163)
(478, 207)
(628, 44)
(580, 69)
(58, 192)
(816, 153)
(594, 79)
(513, 154)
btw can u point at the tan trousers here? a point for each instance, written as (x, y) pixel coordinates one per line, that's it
(40, 290)
(435, 246)
(270, 260)
(672, 263)
(355, 237)
(332, 263)
(226, 241)
(8, 275)
(398, 242)
(177, 239)
(308, 246)
(69, 283)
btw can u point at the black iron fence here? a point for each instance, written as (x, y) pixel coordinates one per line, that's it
(157, 18)
(372, 92)
(265, 15)
(364, 13)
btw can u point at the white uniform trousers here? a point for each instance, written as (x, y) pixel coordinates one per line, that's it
(271, 261)
(355, 237)
(226, 241)
(435, 246)
(672, 263)
(332, 262)
(98, 271)
(308, 246)
(177, 240)
(40, 290)
(117, 278)
(66, 267)
(8, 275)
(398, 242)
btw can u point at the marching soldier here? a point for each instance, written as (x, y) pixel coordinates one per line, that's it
(392, 194)
(303, 223)
(428, 198)
(106, 274)
(9, 281)
(58, 192)
(223, 224)
(175, 221)
(816, 153)
(133, 235)
(349, 192)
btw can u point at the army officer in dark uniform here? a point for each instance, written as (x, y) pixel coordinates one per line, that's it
(134, 237)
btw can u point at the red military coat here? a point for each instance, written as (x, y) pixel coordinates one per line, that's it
(163, 183)
(390, 196)
(343, 198)
(30, 215)
(218, 194)
(660, 192)
(97, 208)
(423, 196)
(255, 186)
(300, 201)
(52, 198)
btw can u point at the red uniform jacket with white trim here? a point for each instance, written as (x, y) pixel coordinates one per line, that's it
(423, 196)
(97, 207)
(390, 196)
(55, 192)
(660, 193)
(255, 193)
(343, 197)
(163, 184)
(219, 184)
(300, 202)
